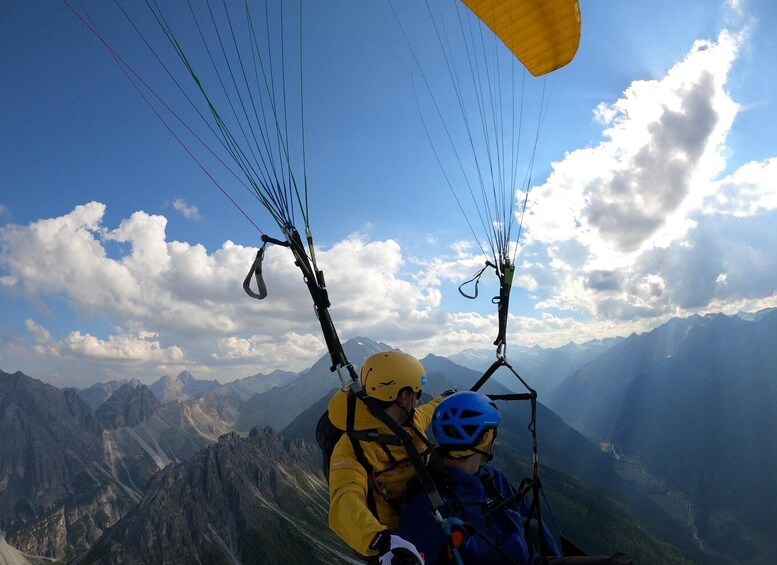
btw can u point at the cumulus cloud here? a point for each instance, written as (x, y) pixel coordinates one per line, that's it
(273, 351)
(633, 227)
(663, 144)
(192, 298)
(139, 351)
(42, 335)
(748, 191)
(142, 347)
(646, 224)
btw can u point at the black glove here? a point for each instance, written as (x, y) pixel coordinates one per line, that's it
(393, 550)
(449, 392)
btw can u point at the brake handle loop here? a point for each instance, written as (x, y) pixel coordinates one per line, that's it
(476, 279)
(256, 270)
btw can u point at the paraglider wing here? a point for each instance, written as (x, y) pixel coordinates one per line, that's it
(543, 34)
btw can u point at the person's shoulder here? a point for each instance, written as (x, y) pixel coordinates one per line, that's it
(491, 469)
(494, 473)
(343, 446)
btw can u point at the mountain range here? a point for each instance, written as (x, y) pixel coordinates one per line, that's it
(57, 494)
(693, 402)
(257, 499)
(544, 368)
(668, 457)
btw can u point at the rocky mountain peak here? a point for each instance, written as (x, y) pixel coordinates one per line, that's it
(259, 499)
(128, 406)
(183, 386)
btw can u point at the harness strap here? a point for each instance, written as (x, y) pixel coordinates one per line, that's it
(506, 272)
(314, 279)
(360, 455)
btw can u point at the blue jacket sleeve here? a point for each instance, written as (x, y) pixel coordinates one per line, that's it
(418, 526)
(506, 488)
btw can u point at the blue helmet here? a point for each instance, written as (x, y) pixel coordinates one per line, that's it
(461, 419)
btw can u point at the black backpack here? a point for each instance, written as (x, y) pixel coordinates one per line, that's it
(327, 436)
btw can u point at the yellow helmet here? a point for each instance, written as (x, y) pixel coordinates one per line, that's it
(384, 374)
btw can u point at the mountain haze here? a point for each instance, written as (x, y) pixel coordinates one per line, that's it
(542, 368)
(182, 387)
(100, 392)
(243, 389)
(279, 406)
(695, 403)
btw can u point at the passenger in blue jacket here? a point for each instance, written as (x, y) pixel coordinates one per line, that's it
(479, 495)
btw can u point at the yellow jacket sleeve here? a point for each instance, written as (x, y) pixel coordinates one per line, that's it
(349, 516)
(423, 414)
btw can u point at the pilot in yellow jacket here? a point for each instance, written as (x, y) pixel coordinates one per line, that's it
(396, 379)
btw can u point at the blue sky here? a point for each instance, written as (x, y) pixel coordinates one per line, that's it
(652, 195)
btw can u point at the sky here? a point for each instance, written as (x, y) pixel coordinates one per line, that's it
(653, 194)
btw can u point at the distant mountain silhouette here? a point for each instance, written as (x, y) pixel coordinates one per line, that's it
(243, 389)
(182, 387)
(279, 406)
(542, 368)
(100, 392)
(695, 402)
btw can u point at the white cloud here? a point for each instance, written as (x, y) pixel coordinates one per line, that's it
(748, 191)
(663, 146)
(271, 351)
(141, 348)
(623, 234)
(193, 298)
(735, 6)
(630, 228)
(139, 351)
(188, 211)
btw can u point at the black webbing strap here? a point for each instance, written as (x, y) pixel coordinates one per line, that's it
(314, 279)
(360, 455)
(506, 272)
(406, 441)
(512, 396)
(500, 362)
(532, 397)
(375, 437)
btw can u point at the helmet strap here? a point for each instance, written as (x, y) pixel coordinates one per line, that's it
(487, 457)
(409, 413)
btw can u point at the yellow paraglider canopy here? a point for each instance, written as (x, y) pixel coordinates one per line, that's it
(543, 34)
